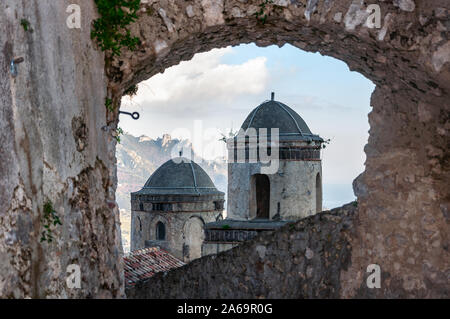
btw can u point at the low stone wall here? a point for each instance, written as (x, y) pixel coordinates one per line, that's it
(301, 260)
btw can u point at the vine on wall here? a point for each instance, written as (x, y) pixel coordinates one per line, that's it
(261, 14)
(111, 30)
(49, 220)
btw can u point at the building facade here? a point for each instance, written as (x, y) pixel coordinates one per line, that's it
(170, 211)
(293, 187)
(274, 176)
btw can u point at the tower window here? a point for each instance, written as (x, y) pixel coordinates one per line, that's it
(140, 224)
(318, 193)
(160, 231)
(141, 206)
(262, 189)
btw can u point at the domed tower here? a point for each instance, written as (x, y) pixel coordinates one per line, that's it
(172, 208)
(290, 186)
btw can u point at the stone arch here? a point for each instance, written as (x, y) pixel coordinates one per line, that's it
(318, 193)
(193, 234)
(411, 73)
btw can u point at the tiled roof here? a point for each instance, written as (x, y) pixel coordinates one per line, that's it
(144, 263)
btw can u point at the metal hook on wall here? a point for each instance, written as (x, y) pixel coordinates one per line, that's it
(134, 115)
(13, 66)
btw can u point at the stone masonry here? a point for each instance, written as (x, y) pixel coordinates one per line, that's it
(54, 147)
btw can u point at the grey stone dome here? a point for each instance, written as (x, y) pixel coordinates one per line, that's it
(274, 114)
(179, 176)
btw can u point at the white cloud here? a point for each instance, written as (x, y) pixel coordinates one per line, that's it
(205, 79)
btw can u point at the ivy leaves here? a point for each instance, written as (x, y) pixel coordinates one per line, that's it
(110, 30)
(261, 14)
(50, 220)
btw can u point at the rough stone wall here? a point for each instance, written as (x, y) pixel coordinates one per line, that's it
(53, 149)
(302, 260)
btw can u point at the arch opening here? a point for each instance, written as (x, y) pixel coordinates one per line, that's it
(194, 236)
(261, 193)
(163, 114)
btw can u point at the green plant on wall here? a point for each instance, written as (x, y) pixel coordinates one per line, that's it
(49, 220)
(131, 91)
(109, 104)
(26, 25)
(119, 132)
(111, 30)
(261, 14)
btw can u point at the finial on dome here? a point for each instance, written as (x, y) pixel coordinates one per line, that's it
(272, 96)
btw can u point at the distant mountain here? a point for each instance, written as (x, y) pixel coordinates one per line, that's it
(139, 157)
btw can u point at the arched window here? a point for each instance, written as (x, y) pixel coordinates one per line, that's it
(140, 223)
(318, 193)
(160, 231)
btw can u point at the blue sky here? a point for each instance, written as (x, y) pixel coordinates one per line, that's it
(221, 87)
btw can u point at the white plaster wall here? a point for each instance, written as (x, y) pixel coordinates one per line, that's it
(295, 189)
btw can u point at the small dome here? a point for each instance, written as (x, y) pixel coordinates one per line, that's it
(274, 114)
(180, 176)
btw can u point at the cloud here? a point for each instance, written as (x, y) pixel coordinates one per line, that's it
(205, 81)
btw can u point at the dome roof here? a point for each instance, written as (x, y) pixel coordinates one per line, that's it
(180, 176)
(274, 114)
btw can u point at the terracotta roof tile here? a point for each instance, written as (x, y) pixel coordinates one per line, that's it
(144, 263)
